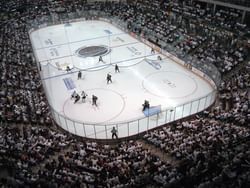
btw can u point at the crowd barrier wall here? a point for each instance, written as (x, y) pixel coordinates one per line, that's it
(142, 124)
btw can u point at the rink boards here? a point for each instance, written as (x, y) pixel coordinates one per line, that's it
(165, 83)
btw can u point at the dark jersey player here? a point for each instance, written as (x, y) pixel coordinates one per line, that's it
(109, 80)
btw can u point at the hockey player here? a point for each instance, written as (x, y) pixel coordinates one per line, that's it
(109, 78)
(79, 75)
(152, 51)
(84, 95)
(73, 95)
(145, 105)
(67, 69)
(117, 68)
(100, 59)
(114, 133)
(77, 98)
(94, 99)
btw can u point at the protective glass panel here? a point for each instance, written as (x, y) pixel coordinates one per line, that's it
(161, 118)
(178, 112)
(133, 128)
(194, 107)
(63, 122)
(70, 125)
(100, 131)
(152, 121)
(79, 129)
(208, 99)
(186, 109)
(171, 115)
(143, 124)
(202, 104)
(90, 132)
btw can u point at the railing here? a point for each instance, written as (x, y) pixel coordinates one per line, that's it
(131, 127)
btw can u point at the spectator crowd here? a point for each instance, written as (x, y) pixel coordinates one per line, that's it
(211, 149)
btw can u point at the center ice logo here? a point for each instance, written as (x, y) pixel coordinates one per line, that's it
(93, 51)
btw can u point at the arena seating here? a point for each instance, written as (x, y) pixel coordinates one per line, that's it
(209, 150)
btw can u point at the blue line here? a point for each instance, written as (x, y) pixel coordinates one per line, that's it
(73, 54)
(99, 66)
(125, 44)
(65, 82)
(80, 41)
(72, 84)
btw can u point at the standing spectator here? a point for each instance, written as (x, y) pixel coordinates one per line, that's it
(114, 133)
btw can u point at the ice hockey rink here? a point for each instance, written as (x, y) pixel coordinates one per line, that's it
(164, 83)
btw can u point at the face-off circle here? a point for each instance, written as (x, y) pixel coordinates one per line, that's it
(170, 84)
(86, 112)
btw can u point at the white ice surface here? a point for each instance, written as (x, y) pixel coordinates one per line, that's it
(120, 101)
